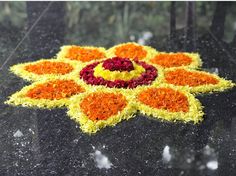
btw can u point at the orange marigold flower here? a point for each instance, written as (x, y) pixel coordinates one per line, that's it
(183, 77)
(164, 98)
(101, 106)
(171, 60)
(47, 67)
(130, 51)
(84, 54)
(55, 90)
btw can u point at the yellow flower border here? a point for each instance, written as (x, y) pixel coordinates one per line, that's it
(89, 126)
(195, 113)
(99, 71)
(196, 60)
(151, 52)
(208, 88)
(64, 51)
(20, 71)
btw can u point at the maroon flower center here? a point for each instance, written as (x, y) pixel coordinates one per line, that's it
(118, 64)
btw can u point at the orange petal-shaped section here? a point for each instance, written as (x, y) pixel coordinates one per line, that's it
(84, 54)
(55, 90)
(171, 60)
(183, 77)
(130, 51)
(47, 67)
(101, 106)
(164, 98)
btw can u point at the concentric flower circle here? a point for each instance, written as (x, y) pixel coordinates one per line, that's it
(103, 87)
(143, 74)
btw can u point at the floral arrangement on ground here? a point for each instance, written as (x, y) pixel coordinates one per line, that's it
(104, 87)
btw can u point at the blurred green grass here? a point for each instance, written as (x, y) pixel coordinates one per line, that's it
(106, 23)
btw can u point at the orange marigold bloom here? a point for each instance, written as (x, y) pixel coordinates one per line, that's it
(47, 67)
(84, 54)
(171, 60)
(101, 106)
(130, 51)
(183, 77)
(164, 98)
(55, 90)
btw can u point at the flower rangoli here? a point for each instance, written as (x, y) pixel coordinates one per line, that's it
(104, 87)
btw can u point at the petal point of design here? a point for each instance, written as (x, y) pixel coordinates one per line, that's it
(90, 126)
(150, 52)
(213, 83)
(195, 62)
(19, 70)
(100, 53)
(21, 98)
(194, 113)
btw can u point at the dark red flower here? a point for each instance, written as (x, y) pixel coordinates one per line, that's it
(118, 64)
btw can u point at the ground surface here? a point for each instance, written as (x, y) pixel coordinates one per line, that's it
(43, 142)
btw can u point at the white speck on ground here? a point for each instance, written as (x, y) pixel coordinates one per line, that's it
(202, 167)
(189, 160)
(101, 160)
(30, 130)
(213, 165)
(166, 156)
(18, 133)
(208, 150)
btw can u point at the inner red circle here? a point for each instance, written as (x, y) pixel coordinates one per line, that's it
(118, 64)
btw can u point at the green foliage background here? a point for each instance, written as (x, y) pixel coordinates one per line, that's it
(106, 23)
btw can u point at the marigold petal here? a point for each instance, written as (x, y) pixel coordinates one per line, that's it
(164, 98)
(47, 67)
(183, 77)
(132, 50)
(104, 107)
(56, 89)
(101, 106)
(83, 54)
(46, 94)
(166, 102)
(196, 81)
(171, 60)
